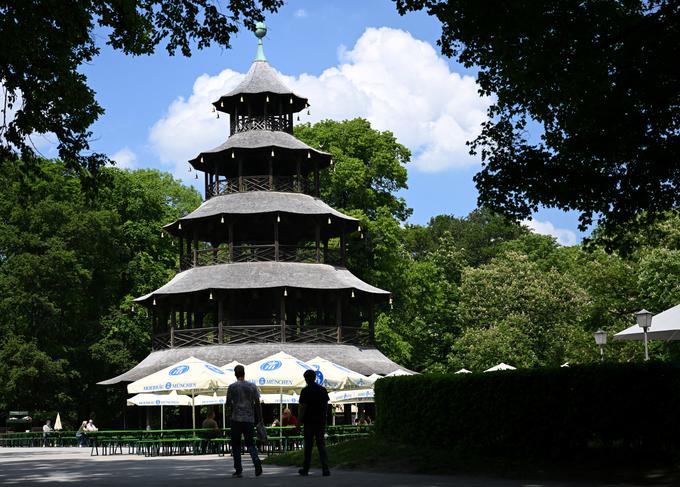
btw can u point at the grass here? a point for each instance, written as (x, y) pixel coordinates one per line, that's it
(374, 453)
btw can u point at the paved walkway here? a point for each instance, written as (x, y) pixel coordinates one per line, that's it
(75, 466)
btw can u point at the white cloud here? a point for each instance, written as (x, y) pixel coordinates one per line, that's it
(395, 81)
(301, 13)
(125, 158)
(563, 235)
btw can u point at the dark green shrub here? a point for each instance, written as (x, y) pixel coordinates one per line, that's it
(543, 413)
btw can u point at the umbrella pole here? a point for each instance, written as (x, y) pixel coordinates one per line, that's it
(224, 415)
(161, 417)
(280, 406)
(193, 413)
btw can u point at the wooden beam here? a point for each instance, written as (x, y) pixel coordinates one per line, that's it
(338, 316)
(220, 319)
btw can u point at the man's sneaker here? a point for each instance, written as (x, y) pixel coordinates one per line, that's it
(326, 473)
(237, 474)
(258, 470)
(303, 472)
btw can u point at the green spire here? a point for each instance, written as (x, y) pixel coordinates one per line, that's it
(260, 32)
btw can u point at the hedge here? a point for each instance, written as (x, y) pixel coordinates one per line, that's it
(543, 413)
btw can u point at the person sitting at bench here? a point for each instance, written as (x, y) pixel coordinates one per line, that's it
(211, 430)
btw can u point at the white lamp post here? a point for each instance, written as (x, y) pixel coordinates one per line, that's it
(644, 321)
(601, 340)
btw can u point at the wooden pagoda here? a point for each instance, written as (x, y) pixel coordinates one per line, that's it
(262, 260)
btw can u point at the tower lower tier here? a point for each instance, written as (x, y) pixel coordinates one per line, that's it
(366, 361)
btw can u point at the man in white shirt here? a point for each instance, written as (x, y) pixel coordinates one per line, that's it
(47, 429)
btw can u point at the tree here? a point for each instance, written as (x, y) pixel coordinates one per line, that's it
(69, 268)
(596, 80)
(512, 297)
(45, 42)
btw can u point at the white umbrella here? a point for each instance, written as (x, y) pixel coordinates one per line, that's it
(57, 423)
(374, 377)
(352, 396)
(229, 368)
(463, 371)
(205, 400)
(280, 398)
(279, 372)
(399, 372)
(665, 326)
(191, 374)
(335, 376)
(172, 399)
(500, 366)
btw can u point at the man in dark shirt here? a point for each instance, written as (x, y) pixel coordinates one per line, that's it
(313, 402)
(244, 399)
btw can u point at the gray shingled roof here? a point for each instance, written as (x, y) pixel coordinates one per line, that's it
(257, 139)
(262, 275)
(363, 360)
(260, 79)
(257, 202)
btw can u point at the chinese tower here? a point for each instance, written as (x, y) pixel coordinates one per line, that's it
(262, 260)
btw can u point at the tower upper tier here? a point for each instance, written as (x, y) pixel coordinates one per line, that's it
(261, 92)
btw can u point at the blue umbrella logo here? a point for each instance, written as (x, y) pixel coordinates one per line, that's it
(271, 365)
(214, 369)
(319, 377)
(179, 370)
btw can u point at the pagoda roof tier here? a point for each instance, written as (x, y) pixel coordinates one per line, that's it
(261, 91)
(286, 148)
(260, 275)
(209, 219)
(366, 361)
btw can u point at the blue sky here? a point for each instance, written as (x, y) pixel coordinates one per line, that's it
(350, 58)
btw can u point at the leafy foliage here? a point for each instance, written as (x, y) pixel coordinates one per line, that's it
(69, 267)
(45, 42)
(543, 414)
(594, 77)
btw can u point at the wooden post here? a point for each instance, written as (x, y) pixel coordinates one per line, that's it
(231, 241)
(172, 328)
(240, 174)
(207, 186)
(338, 316)
(298, 181)
(343, 242)
(276, 239)
(318, 242)
(316, 178)
(195, 248)
(371, 320)
(181, 253)
(220, 320)
(216, 182)
(282, 317)
(271, 174)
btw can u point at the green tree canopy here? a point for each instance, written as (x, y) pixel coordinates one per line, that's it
(596, 80)
(45, 42)
(69, 268)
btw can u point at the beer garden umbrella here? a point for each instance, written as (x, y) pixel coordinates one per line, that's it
(277, 373)
(334, 376)
(190, 375)
(149, 399)
(501, 366)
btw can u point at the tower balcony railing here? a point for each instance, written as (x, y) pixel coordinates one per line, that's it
(260, 253)
(244, 184)
(260, 333)
(276, 123)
